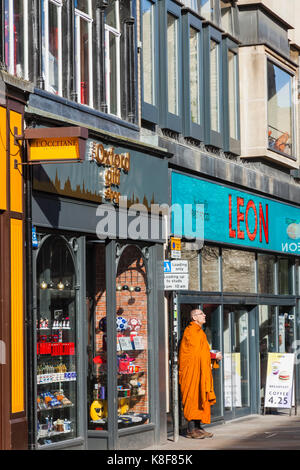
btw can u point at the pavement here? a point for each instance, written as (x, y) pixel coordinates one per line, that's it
(256, 432)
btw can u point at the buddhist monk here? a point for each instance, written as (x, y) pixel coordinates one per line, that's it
(195, 376)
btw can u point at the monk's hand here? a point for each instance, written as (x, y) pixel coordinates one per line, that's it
(219, 356)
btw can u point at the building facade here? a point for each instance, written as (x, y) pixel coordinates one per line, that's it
(168, 103)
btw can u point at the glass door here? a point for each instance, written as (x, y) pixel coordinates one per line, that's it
(276, 334)
(236, 362)
(56, 381)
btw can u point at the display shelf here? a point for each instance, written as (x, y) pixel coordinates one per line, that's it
(55, 408)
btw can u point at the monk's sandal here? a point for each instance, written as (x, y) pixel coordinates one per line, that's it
(194, 435)
(205, 433)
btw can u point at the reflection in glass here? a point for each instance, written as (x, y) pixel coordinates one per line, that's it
(111, 14)
(232, 95)
(226, 16)
(266, 273)
(213, 332)
(267, 341)
(82, 5)
(84, 62)
(241, 355)
(228, 387)
(54, 40)
(207, 9)
(285, 330)
(113, 83)
(210, 269)
(14, 37)
(56, 343)
(148, 52)
(284, 276)
(236, 358)
(194, 75)
(214, 86)
(238, 269)
(280, 112)
(172, 39)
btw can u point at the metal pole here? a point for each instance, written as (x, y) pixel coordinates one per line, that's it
(175, 370)
(29, 304)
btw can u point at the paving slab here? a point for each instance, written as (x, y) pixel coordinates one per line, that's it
(256, 432)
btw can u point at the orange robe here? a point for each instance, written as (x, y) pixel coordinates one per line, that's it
(195, 374)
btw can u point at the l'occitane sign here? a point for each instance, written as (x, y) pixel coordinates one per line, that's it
(57, 149)
(56, 144)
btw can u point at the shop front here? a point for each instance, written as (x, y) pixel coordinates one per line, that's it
(98, 340)
(244, 273)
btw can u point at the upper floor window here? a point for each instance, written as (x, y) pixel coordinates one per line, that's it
(83, 51)
(52, 45)
(233, 95)
(172, 45)
(229, 17)
(214, 85)
(112, 57)
(210, 10)
(280, 109)
(148, 38)
(16, 37)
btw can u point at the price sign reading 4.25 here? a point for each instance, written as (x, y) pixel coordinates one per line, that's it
(279, 384)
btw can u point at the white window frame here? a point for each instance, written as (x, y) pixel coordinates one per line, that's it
(57, 3)
(11, 48)
(116, 32)
(88, 18)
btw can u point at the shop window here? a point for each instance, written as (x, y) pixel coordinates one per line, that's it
(57, 398)
(210, 272)
(266, 274)
(112, 58)
(149, 37)
(285, 284)
(52, 45)
(238, 271)
(297, 277)
(97, 339)
(192, 256)
(16, 37)
(280, 110)
(132, 329)
(213, 87)
(83, 51)
(193, 76)
(267, 342)
(170, 71)
(132, 339)
(286, 328)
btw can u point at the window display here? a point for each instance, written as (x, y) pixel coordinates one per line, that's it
(56, 343)
(132, 343)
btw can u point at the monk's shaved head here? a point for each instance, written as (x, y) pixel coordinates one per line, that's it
(197, 315)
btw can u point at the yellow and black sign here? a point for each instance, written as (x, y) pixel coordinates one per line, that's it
(56, 144)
